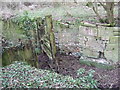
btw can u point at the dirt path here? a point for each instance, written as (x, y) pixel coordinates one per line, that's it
(68, 65)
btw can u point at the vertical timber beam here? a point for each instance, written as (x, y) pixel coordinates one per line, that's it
(49, 30)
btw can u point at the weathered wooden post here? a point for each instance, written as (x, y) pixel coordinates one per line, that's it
(49, 31)
(46, 38)
(51, 37)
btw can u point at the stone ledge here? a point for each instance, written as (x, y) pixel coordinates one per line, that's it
(93, 63)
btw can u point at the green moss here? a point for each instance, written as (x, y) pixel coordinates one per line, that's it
(5, 57)
(95, 64)
(8, 56)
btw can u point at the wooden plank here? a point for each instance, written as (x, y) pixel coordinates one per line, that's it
(49, 29)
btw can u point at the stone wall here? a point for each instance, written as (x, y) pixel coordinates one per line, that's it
(101, 39)
(91, 41)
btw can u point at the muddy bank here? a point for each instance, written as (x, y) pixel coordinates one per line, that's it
(68, 65)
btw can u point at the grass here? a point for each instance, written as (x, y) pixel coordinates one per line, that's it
(22, 75)
(80, 12)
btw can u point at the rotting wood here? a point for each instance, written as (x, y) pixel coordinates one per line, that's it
(49, 30)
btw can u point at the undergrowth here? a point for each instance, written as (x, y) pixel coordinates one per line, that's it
(22, 75)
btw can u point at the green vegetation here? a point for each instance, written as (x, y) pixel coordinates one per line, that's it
(25, 21)
(29, 33)
(22, 75)
(38, 29)
(96, 64)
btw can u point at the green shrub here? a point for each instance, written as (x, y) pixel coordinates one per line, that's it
(91, 82)
(21, 75)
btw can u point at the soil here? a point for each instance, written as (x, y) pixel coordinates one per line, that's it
(68, 65)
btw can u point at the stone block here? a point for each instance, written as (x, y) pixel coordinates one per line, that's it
(94, 45)
(115, 29)
(111, 47)
(105, 31)
(89, 31)
(112, 55)
(89, 53)
(116, 33)
(114, 39)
